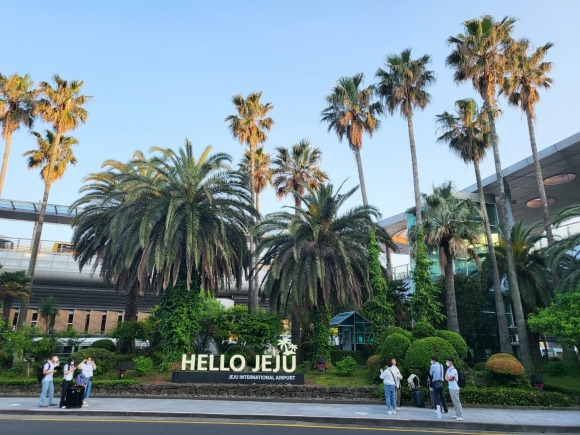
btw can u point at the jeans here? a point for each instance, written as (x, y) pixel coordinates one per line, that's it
(439, 394)
(390, 397)
(64, 389)
(47, 387)
(456, 402)
(88, 388)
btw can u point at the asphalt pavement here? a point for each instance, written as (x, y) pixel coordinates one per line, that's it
(531, 420)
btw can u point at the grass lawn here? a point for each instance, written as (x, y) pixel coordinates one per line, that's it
(331, 378)
(565, 384)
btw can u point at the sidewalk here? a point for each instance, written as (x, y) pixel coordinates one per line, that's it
(479, 419)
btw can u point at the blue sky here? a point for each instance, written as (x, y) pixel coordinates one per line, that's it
(161, 72)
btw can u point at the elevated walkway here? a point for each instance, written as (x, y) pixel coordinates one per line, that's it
(29, 211)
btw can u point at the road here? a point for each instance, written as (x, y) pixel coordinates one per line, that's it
(16, 425)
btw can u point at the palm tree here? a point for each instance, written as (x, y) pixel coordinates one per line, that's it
(478, 55)
(526, 75)
(450, 228)
(48, 311)
(467, 134)
(262, 172)
(249, 126)
(40, 157)
(533, 275)
(294, 171)
(351, 112)
(403, 85)
(62, 107)
(319, 256)
(17, 101)
(13, 284)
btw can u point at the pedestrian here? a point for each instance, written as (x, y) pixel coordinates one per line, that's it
(436, 375)
(48, 371)
(67, 380)
(88, 368)
(398, 378)
(451, 376)
(388, 377)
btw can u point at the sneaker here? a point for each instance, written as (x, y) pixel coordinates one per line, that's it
(459, 419)
(398, 409)
(389, 412)
(395, 412)
(63, 407)
(445, 412)
(85, 404)
(52, 404)
(43, 406)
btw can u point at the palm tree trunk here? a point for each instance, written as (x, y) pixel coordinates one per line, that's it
(131, 309)
(416, 187)
(539, 178)
(450, 301)
(389, 265)
(8, 137)
(8, 300)
(256, 282)
(296, 317)
(505, 344)
(525, 354)
(252, 294)
(361, 176)
(534, 338)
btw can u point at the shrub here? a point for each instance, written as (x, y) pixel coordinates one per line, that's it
(395, 346)
(480, 366)
(143, 365)
(374, 365)
(555, 368)
(454, 340)
(418, 356)
(423, 330)
(104, 344)
(397, 330)
(104, 359)
(513, 397)
(337, 355)
(346, 366)
(504, 364)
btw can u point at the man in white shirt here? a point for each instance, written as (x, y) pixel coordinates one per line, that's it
(48, 370)
(451, 376)
(88, 367)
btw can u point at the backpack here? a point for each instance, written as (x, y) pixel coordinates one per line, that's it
(81, 379)
(39, 372)
(460, 379)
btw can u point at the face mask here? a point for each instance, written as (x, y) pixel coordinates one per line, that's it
(447, 364)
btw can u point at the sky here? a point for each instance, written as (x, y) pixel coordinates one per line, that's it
(161, 72)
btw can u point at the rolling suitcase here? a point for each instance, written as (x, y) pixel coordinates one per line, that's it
(75, 397)
(418, 398)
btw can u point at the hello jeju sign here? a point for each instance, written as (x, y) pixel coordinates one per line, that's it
(268, 368)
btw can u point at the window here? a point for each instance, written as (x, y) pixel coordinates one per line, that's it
(88, 319)
(15, 319)
(71, 316)
(120, 317)
(34, 318)
(103, 322)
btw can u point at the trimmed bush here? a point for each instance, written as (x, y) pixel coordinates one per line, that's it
(104, 344)
(418, 356)
(397, 330)
(423, 330)
(104, 359)
(479, 367)
(337, 355)
(454, 340)
(346, 366)
(374, 366)
(555, 368)
(504, 364)
(513, 397)
(395, 346)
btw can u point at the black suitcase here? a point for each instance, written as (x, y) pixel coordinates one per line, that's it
(418, 398)
(75, 397)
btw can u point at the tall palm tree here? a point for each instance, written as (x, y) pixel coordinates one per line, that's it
(403, 85)
(318, 256)
(249, 126)
(450, 228)
(262, 171)
(17, 100)
(467, 134)
(296, 170)
(351, 112)
(48, 311)
(12, 284)
(478, 55)
(527, 74)
(40, 157)
(61, 106)
(533, 275)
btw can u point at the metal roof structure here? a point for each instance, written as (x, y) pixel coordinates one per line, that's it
(29, 211)
(561, 172)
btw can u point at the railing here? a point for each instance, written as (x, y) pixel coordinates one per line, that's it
(25, 245)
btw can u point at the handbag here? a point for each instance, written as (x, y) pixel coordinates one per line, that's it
(439, 383)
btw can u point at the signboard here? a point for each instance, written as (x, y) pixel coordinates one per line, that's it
(277, 368)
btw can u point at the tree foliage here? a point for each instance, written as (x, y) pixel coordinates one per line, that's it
(561, 318)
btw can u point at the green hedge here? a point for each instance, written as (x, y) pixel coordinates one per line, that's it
(105, 360)
(104, 343)
(337, 355)
(418, 356)
(454, 340)
(423, 330)
(96, 382)
(513, 397)
(395, 346)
